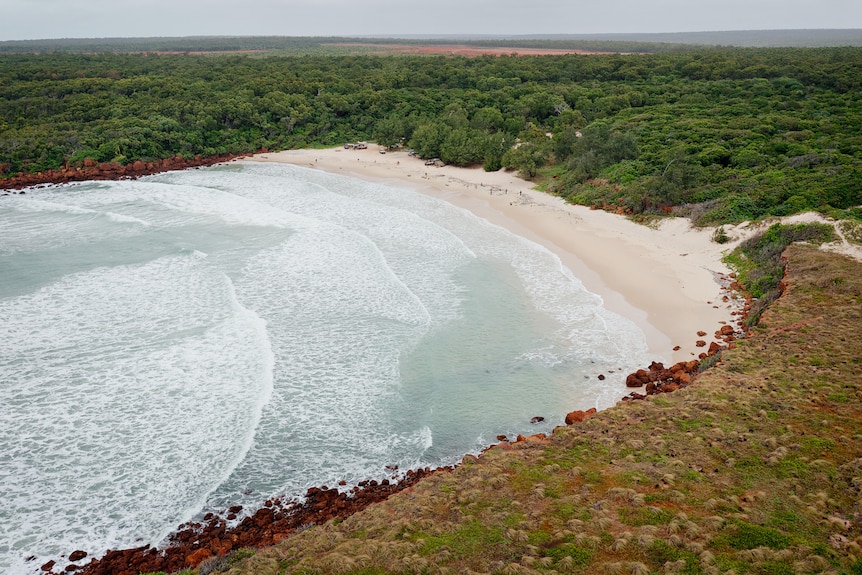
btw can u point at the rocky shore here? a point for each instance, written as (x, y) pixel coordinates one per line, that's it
(92, 170)
(218, 535)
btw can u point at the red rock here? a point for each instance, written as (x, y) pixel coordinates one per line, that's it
(700, 343)
(263, 517)
(92, 170)
(671, 387)
(77, 555)
(537, 438)
(194, 558)
(579, 416)
(48, 566)
(633, 380)
(676, 348)
(194, 542)
(663, 375)
(601, 377)
(714, 348)
(701, 333)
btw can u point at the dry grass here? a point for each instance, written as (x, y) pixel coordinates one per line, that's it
(756, 468)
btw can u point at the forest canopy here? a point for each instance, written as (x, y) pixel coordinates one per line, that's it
(722, 135)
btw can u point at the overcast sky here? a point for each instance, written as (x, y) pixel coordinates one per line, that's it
(37, 19)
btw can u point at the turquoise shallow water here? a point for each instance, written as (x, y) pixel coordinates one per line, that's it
(199, 339)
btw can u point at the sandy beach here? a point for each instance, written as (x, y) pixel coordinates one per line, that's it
(667, 279)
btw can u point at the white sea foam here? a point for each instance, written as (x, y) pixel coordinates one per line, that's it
(419, 251)
(125, 390)
(30, 205)
(35, 225)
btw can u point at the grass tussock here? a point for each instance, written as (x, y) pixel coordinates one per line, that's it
(756, 468)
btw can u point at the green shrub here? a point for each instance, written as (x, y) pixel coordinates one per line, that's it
(763, 269)
(749, 536)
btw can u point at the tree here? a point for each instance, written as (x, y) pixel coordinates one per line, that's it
(526, 158)
(494, 148)
(428, 139)
(487, 119)
(388, 132)
(460, 148)
(597, 148)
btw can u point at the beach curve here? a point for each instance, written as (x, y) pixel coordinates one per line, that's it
(667, 278)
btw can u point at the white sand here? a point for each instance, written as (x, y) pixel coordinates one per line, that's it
(663, 279)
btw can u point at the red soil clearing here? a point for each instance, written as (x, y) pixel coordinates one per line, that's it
(463, 50)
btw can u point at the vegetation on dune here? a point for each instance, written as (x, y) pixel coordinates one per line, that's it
(721, 135)
(760, 266)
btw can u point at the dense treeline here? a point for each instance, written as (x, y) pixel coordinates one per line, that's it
(726, 134)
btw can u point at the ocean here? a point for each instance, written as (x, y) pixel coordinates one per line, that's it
(189, 341)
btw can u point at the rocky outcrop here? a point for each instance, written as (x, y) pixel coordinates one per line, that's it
(658, 379)
(216, 535)
(578, 416)
(91, 170)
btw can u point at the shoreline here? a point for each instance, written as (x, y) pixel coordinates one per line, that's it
(669, 280)
(512, 204)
